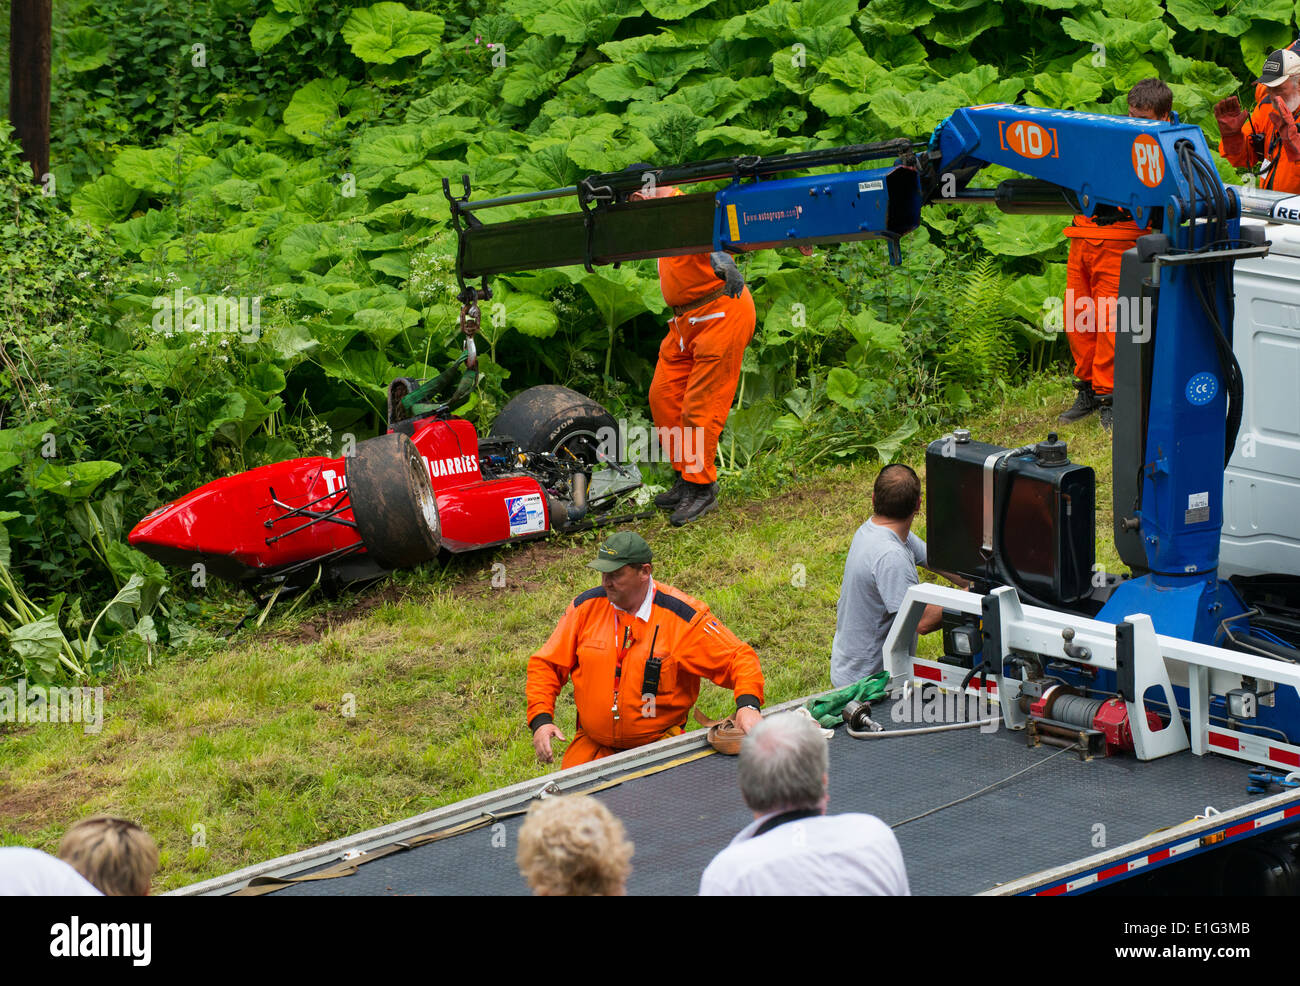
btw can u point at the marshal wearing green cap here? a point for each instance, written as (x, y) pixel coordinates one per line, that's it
(636, 651)
(623, 548)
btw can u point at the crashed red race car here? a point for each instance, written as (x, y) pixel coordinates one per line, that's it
(429, 484)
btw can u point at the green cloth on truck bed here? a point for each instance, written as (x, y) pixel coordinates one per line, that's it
(826, 710)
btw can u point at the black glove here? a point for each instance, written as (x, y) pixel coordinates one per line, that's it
(726, 269)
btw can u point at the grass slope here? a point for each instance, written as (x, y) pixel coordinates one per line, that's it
(239, 753)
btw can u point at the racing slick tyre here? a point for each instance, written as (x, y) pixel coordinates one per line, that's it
(393, 501)
(556, 419)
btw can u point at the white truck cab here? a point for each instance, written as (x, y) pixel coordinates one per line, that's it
(1261, 486)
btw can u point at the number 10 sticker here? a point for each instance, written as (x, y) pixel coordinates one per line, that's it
(1148, 160)
(1028, 139)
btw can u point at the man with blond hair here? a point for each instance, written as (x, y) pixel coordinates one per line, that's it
(572, 846)
(114, 854)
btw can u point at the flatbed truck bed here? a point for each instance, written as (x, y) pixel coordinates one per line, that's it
(974, 812)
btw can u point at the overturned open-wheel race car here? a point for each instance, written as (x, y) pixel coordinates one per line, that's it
(430, 484)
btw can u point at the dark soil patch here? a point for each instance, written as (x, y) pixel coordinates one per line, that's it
(471, 574)
(344, 611)
(39, 805)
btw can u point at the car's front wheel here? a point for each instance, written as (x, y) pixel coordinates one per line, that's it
(393, 502)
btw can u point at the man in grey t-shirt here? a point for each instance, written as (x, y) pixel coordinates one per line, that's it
(877, 574)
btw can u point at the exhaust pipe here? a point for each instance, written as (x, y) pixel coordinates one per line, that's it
(578, 508)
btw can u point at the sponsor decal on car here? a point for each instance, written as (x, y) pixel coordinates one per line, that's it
(527, 513)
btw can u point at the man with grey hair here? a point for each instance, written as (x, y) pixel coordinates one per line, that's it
(793, 847)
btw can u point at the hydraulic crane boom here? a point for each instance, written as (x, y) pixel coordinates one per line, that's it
(1105, 167)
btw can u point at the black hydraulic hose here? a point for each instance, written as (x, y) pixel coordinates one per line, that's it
(1261, 647)
(1208, 282)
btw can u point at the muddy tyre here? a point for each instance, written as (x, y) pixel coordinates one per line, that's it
(556, 419)
(393, 501)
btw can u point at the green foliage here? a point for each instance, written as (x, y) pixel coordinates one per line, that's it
(293, 152)
(978, 350)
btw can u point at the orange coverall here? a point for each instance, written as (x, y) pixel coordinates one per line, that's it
(1092, 274)
(1283, 171)
(691, 644)
(699, 364)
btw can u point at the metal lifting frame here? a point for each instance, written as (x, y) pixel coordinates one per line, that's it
(1139, 657)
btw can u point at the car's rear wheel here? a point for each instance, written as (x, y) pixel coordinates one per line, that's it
(393, 501)
(556, 419)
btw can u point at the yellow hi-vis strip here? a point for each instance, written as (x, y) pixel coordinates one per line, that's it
(731, 221)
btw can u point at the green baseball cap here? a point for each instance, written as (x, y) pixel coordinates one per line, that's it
(623, 548)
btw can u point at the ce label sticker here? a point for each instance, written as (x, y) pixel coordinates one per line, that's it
(1202, 388)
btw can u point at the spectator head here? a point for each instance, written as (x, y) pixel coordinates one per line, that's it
(897, 493)
(1151, 99)
(572, 846)
(784, 765)
(116, 855)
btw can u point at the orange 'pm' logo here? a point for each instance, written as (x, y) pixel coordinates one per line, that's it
(1148, 160)
(1029, 139)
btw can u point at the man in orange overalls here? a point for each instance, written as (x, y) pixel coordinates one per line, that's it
(699, 367)
(1268, 138)
(1092, 277)
(628, 695)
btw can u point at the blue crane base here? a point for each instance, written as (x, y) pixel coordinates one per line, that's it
(1190, 608)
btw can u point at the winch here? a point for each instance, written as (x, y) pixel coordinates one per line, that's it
(1061, 716)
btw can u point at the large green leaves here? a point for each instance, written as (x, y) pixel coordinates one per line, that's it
(105, 200)
(1021, 236)
(39, 643)
(159, 171)
(75, 481)
(574, 20)
(1117, 38)
(315, 112)
(270, 29)
(83, 49)
(539, 64)
(620, 295)
(525, 313)
(800, 306)
(959, 30)
(673, 10)
(16, 441)
(385, 32)
(822, 13)
(143, 233)
(895, 16)
(1032, 297)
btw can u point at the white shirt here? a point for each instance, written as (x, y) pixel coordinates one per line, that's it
(823, 855)
(31, 873)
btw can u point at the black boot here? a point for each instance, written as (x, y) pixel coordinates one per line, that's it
(674, 495)
(1107, 412)
(1084, 404)
(698, 500)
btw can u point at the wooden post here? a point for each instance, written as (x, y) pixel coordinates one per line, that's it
(29, 80)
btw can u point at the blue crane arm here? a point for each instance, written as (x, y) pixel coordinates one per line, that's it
(1119, 161)
(1089, 161)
